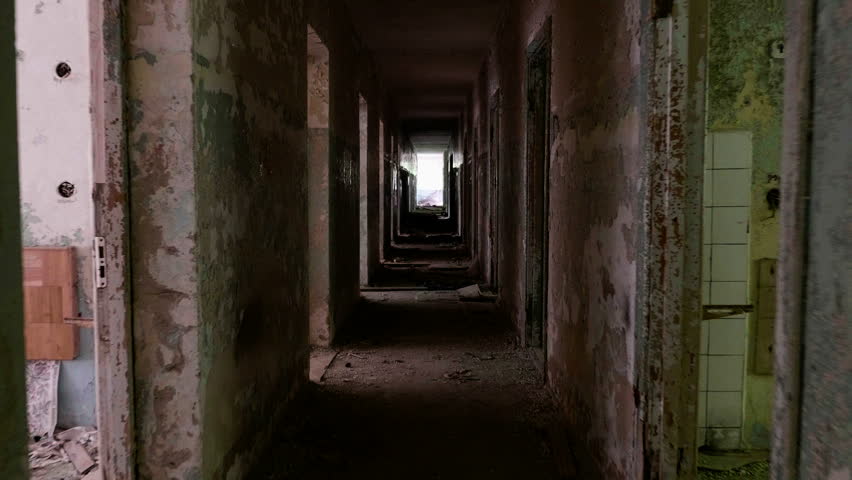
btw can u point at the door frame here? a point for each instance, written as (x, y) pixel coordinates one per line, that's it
(540, 44)
(495, 113)
(669, 241)
(113, 317)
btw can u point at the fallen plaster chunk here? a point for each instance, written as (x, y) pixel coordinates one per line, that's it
(78, 456)
(469, 292)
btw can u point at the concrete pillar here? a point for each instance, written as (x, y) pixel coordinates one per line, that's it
(217, 99)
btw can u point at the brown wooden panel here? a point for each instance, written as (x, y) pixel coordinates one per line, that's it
(49, 341)
(49, 298)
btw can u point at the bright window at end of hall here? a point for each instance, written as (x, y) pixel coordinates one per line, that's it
(430, 180)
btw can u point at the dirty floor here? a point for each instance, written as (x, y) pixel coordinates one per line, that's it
(428, 388)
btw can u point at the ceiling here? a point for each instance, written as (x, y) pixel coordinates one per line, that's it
(429, 52)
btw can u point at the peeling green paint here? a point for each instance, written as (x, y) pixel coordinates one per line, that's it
(249, 114)
(745, 92)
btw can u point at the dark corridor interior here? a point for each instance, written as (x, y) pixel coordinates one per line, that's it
(426, 387)
(424, 239)
(427, 379)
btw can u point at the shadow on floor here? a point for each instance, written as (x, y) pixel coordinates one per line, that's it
(424, 387)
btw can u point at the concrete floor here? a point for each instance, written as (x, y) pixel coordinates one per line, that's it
(426, 387)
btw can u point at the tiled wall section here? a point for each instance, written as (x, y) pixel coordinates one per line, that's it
(727, 187)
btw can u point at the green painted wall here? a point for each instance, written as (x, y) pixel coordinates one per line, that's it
(745, 92)
(12, 389)
(249, 116)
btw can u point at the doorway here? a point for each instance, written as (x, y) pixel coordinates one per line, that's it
(537, 160)
(494, 136)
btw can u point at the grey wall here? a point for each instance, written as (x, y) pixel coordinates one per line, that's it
(12, 390)
(826, 435)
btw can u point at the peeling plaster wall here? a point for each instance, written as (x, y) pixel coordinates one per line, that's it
(164, 247)
(745, 90)
(55, 143)
(13, 426)
(595, 205)
(217, 116)
(249, 127)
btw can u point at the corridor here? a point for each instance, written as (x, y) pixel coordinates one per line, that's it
(425, 387)
(425, 239)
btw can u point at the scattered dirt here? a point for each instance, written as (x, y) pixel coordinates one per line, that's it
(753, 471)
(422, 389)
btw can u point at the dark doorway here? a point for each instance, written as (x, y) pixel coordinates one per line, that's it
(537, 158)
(494, 185)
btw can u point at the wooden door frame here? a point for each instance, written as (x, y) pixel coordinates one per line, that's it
(113, 318)
(668, 308)
(542, 41)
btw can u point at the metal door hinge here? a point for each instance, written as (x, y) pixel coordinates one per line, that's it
(99, 257)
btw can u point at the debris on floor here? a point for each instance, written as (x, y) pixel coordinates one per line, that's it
(475, 293)
(437, 390)
(752, 471)
(437, 296)
(481, 358)
(725, 460)
(461, 376)
(68, 455)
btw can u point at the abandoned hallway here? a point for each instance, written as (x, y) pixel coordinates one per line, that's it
(427, 387)
(425, 239)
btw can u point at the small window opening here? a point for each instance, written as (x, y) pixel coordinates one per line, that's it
(430, 180)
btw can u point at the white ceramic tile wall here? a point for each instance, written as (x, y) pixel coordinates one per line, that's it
(729, 225)
(728, 293)
(725, 374)
(729, 263)
(726, 336)
(725, 263)
(724, 409)
(731, 149)
(731, 188)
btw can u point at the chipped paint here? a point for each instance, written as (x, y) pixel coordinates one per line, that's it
(163, 247)
(594, 207)
(249, 105)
